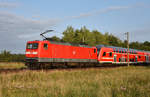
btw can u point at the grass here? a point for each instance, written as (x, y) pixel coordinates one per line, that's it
(115, 82)
(11, 65)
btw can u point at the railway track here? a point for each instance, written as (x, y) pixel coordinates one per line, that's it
(12, 70)
(65, 68)
(56, 68)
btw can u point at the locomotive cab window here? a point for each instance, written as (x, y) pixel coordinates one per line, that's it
(29, 46)
(45, 46)
(32, 45)
(35, 45)
(104, 54)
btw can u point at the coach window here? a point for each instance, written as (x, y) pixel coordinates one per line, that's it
(139, 57)
(114, 50)
(120, 51)
(131, 60)
(132, 52)
(94, 50)
(110, 54)
(124, 51)
(119, 59)
(45, 46)
(104, 54)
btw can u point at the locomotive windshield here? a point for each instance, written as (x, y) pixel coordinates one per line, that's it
(32, 45)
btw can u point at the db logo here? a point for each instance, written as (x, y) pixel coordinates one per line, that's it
(74, 52)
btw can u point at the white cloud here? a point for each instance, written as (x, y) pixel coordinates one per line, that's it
(15, 30)
(107, 10)
(101, 11)
(8, 5)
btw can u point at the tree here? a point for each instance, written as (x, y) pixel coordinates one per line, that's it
(86, 36)
(135, 45)
(6, 56)
(79, 36)
(113, 40)
(68, 35)
(5, 53)
(54, 38)
(99, 38)
(146, 43)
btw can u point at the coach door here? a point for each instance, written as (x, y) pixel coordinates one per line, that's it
(135, 58)
(115, 58)
(147, 58)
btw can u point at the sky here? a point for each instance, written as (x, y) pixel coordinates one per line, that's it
(24, 20)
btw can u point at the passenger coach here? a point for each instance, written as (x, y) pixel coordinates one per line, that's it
(117, 55)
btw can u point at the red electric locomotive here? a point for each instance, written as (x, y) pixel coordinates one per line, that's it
(41, 52)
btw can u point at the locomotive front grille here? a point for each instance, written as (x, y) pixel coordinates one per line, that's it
(31, 60)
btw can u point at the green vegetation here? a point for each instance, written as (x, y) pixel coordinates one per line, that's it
(112, 82)
(6, 56)
(12, 65)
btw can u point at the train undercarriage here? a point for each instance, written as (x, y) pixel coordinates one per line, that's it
(32, 63)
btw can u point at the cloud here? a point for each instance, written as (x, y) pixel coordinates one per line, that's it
(36, 16)
(101, 11)
(20, 25)
(15, 30)
(107, 10)
(8, 5)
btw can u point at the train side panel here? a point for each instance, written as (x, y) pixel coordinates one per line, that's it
(119, 56)
(67, 53)
(105, 55)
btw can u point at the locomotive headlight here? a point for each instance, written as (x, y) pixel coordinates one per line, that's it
(34, 53)
(28, 52)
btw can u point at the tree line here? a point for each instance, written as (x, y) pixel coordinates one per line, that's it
(7, 56)
(81, 36)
